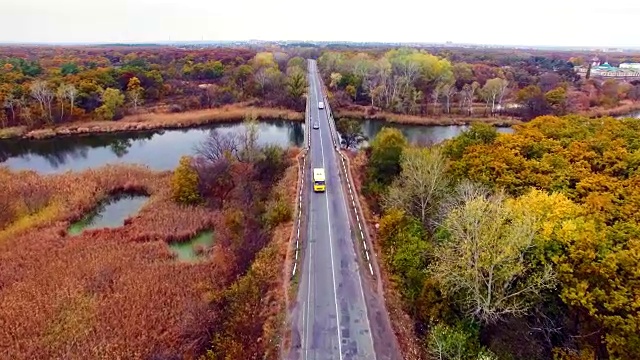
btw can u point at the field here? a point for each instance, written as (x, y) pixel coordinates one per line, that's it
(120, 293)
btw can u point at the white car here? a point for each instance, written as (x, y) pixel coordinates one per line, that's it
(316, 125)
(320, 105)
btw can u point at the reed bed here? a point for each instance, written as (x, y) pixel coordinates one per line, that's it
(151, 121)
(442, 120)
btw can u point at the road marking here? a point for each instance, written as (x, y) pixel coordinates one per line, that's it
(344, 202)
(333, 273)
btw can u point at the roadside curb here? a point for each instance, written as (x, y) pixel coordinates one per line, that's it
(301, 173)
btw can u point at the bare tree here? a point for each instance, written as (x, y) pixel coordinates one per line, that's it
(218, 145)
(10, 103)
(71, 94)
(468, 94)
(41, 92)
(435, 96)
(262, 77)
(448, 90)
(61, 94)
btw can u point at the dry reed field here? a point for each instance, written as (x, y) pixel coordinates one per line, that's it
(425, 121)
(104, 293)
(150, 121)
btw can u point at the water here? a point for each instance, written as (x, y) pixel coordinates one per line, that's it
(635, 114)
(110, 213)
(160, 150)
(418, 133)
(188, 250)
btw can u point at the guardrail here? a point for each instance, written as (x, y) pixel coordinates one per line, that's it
(337, 146)
(301, 171)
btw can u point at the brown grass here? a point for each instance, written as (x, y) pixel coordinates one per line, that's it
(102, 294)
(65, 198)
(424, 121)
(401, 322)
(625, 108)
(274, 328)
(152, 121)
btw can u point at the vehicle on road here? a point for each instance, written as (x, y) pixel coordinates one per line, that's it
(320, 105)
(318, 180)
(316, 125)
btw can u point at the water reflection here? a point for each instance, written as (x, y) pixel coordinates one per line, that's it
(160, 150)
(419, 134)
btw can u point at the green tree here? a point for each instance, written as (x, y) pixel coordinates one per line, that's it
(422, 183)
(296, 86)
(480, 260)
(112, 101)
(557, 98)
(184, 184)
(350, 132)
(384, 161)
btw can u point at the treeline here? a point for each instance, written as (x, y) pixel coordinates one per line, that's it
(46, 86)
(235, 175)
(515, 246)
(411, 81)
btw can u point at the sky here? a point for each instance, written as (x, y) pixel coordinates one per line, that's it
(540, 22)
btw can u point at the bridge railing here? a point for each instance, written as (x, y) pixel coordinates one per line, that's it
(301, 170)
(362, 234)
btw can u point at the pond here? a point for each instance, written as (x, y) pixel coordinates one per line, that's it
(110, 213)
(191, 251)
(417, 133)
(160, 150)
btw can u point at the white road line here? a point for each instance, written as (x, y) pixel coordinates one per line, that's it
(333, 273)
(344, 203)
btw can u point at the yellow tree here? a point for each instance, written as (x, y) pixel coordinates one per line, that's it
(184, 184)
(135, 92)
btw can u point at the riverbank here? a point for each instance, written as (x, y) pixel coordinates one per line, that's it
(424, 121)
(155, 121)
(626, 108)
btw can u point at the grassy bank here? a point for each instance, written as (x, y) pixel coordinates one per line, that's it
(151, 121)
(626, 108)
(424, 121)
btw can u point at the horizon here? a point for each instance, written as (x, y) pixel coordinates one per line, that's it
(494, 23)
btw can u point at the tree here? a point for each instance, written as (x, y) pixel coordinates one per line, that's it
(386, 151)
(350, 132)
(135, 92)
(493, 91)
(421, 185)
(448, 90)
(557, 98)
(480, 259)
(112, 100)
(468, 95)
(534, 101)
(218, 145)
(296, 86)
(184, 184)
(41, 92)
(71, 93)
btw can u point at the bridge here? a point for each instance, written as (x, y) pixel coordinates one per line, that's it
(336, 301)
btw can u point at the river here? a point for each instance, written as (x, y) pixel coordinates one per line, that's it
(161, 150)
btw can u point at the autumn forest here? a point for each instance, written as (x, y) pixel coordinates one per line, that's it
(491, 245)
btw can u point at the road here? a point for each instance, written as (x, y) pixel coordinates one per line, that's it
(330, 320)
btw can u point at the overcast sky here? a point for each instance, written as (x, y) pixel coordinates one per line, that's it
(539, 22)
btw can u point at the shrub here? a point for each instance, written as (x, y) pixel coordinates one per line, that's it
(184, 185)
(277, 212)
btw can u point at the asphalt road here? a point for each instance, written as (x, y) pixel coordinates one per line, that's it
(330, 319)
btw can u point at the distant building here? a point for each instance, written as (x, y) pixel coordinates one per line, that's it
(598, 69)
(635, 66)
